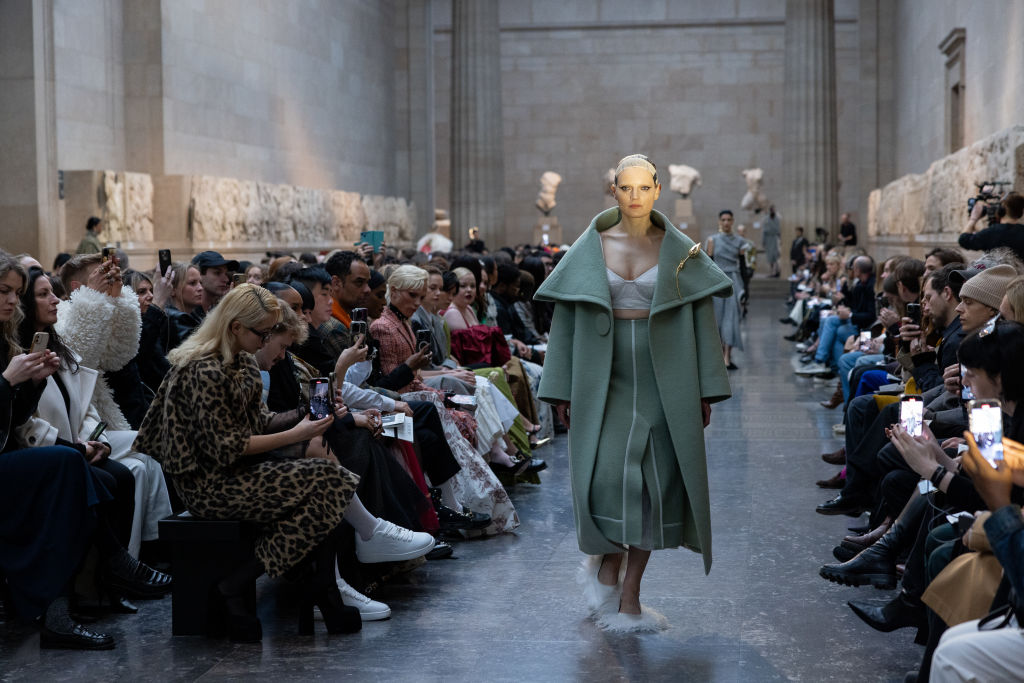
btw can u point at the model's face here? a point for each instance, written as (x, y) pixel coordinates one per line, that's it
(321, 304)
(973, 314)
(636, 192)
(467, 291)
(46, 303)
(251, 339)
(273, 350)
(725, 222)
(353, 289)
(145, 294)
(10, 293)
(216, 281)
(982, 384)
(376, 300)
(192, 291)
(1006, 309)
(432, 299)
(407, 300)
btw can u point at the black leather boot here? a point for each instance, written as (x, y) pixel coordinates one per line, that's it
(875, 565)
(903, 611)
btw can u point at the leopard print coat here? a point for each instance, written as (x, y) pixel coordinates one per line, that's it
(198, 427)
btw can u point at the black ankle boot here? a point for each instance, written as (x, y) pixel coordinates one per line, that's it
(903, 611)
(232, 608)
(875, 565)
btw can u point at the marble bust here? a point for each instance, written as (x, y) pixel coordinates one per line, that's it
(683, 179)
(549, 183)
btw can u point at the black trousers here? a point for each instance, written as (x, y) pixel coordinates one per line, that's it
(436, 456)
(118, 480)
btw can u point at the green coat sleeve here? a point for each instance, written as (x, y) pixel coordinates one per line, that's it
(556, 382)
(714, 378)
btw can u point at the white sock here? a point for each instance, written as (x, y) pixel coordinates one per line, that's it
(360, 518)
(448, 495)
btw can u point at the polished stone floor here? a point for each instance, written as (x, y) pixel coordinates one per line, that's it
(507, 608)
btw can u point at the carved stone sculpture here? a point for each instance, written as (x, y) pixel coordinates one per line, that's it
(113, 207)
(437, 239)
(754, 200)
(683, 179)
(549, 182)
(608, 179)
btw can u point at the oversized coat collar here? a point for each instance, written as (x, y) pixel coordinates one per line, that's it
(581, 274)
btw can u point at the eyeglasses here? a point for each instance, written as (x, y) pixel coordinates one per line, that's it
(264, 335)
(990, 326)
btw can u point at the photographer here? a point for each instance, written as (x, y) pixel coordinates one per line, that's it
(1006, 233)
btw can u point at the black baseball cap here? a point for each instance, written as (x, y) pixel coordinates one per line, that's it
(211, 259)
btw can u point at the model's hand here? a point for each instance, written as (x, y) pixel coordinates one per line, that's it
(562, 410)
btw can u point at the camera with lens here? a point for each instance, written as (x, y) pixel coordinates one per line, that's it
(989, 194)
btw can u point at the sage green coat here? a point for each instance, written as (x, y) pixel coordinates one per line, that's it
(685, 350)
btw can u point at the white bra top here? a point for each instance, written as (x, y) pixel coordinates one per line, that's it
(632, 295)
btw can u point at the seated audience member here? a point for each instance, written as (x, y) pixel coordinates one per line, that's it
(65, 413)
(1008, 232)
(215, 277)
(158, 335)
(183, 308)
(541, 310)
(504, 294)
(206, 424)
(856, 312)
(100, 321)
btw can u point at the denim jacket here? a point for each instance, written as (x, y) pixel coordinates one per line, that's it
(1004, 530)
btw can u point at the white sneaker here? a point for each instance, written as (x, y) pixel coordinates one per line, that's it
(813, 368)
(392, 543)
(369, 610)
(801, 346)
(839, 429)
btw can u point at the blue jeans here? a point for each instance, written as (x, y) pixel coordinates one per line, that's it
(848, 361)
(832, 336)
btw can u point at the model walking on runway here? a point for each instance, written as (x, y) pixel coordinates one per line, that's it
(634, 361)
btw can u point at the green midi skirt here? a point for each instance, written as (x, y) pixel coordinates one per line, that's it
(637, 495)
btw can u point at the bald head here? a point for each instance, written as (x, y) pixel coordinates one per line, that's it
(863, 267)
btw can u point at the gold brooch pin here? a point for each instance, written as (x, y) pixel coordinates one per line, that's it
(694, 250)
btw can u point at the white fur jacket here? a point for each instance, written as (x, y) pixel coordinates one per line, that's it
(104, 331)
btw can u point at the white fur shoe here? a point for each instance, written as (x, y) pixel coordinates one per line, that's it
(599, 597)
(648, 621)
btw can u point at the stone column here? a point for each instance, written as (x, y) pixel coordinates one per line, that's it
(29, 204)
(477, 139)
(810, 119)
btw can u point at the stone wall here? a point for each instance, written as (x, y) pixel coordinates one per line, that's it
(922, 210)
(240, 217)
(993, 64)
(696, 83)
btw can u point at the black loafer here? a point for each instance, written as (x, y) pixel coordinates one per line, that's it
(841, 505)
(452, 520)
(78, 638)
(442, 551)
(536, 465)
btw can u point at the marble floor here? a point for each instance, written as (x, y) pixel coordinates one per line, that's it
(507, 608)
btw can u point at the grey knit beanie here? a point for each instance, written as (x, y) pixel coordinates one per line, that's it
(989, 286)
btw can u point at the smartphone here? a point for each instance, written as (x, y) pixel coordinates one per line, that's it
(359, 327)
(107, 252)
(164, 260)
(914, 313)
(911, 413)
(423, 338)
(864, 340)
(40, 340)
(359, 314)
(965, 391)
(319, 398)
(238, 279)
(375, 238)
(96, 433)
(961, 521)
(986, 416)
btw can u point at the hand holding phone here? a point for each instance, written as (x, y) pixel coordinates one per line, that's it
(986, 417)
(164, 261)
(423, 339)
(40, 340)
(911, 414)
(319, 398)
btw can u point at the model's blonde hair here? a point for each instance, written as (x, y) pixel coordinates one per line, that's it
(9, 329)
(1015, 297)
(406, 277)
(248, 304)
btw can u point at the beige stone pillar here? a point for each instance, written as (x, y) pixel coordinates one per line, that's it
(29, 214)
(477, 140)
(809, 149)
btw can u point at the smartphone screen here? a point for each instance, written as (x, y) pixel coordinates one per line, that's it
(987, 428)
(911, 414)
(40, 340)
(965, 391)
(319, 398)
(865, 339)
(359, 314)
(96, 433)
(164, 257)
